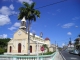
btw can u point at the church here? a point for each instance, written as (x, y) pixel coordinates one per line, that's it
(19, 43)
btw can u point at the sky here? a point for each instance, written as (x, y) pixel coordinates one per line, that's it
(58, 22)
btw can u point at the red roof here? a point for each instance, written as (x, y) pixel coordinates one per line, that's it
(47, 38)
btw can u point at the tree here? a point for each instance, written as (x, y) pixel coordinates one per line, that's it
(45, 47)
(1, 50)
(30, 15)
(3, 45)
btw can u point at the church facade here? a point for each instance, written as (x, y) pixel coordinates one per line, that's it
(19, 43)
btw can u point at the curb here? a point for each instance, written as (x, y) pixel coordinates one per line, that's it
(54, 56)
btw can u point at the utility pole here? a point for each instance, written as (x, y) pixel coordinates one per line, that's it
(70, 42)
(56, 45)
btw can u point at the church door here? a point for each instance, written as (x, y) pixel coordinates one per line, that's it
(19, 48)
(30, 49)
(10, 49)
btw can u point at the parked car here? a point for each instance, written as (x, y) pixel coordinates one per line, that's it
(71, 51)
(76, 52)
(79, 53)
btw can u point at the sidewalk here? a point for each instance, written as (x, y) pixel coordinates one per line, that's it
(58, 56)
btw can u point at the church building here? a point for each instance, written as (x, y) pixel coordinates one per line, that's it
(19, 43)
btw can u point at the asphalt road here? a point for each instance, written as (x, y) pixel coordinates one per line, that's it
(69, 56)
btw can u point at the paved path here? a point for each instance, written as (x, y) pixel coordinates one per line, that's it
(58, 56)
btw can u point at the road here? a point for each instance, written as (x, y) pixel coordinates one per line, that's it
(69, 56)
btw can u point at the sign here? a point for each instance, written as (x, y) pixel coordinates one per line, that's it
(42, 48)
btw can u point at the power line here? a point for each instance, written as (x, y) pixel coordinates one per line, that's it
(51, 4)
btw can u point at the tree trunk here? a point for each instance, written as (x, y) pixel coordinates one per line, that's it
(29, 38)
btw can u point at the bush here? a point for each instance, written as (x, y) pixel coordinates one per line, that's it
(47, 53)
(1, 50)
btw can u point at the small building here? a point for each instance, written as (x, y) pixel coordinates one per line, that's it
(77, 43)
(70, 47)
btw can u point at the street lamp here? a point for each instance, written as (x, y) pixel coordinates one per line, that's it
(41, 34)
(37, 46)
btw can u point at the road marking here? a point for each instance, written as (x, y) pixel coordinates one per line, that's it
(73, 58)
(62, 56)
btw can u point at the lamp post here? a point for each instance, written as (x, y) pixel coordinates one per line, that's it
(37, 46)
(41, 34)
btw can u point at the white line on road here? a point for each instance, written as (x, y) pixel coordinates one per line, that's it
(62, 56)
(73, 58)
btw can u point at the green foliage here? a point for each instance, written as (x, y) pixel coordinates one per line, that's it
(3, 42)
(47, 53)
(28, 12)
(45, 47)
(3, 45)
(1, 50)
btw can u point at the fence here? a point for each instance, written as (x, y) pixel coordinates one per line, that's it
(40, 57)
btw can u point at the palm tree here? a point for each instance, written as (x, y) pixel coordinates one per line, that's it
(30, 15)
(45, 47)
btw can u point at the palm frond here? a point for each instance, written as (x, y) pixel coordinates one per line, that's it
(21, 8)
(32, 5)
(29, 12)
(26, 4)
(20, 16)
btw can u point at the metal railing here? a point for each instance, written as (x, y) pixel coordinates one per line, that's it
(40, 57)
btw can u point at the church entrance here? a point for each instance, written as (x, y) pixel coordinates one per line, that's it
(10, 49)
(30, 49)
(19, 48)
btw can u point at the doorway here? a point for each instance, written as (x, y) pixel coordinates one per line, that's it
(10, 49)
(19, 48)
(30, 49)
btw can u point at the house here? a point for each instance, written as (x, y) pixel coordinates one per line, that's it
(77, 43)
(70, 47)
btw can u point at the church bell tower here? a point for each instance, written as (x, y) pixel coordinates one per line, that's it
(23, 24)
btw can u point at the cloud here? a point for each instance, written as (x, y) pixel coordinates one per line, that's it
(9, 0)
(76, 26)
(68, 25)
(4, 20)
(53, 14)
(58, 10)
(76, 18)
(33, 31)
(12, 28)
(15, 26)
(58, 24)
(11, 7)
(72, 41)
(7, 10)
(69, 33)
(48, 12)
(3, 36)
(63, 44)
(28, 1)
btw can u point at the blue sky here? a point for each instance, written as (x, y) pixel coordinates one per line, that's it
(58, 22)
